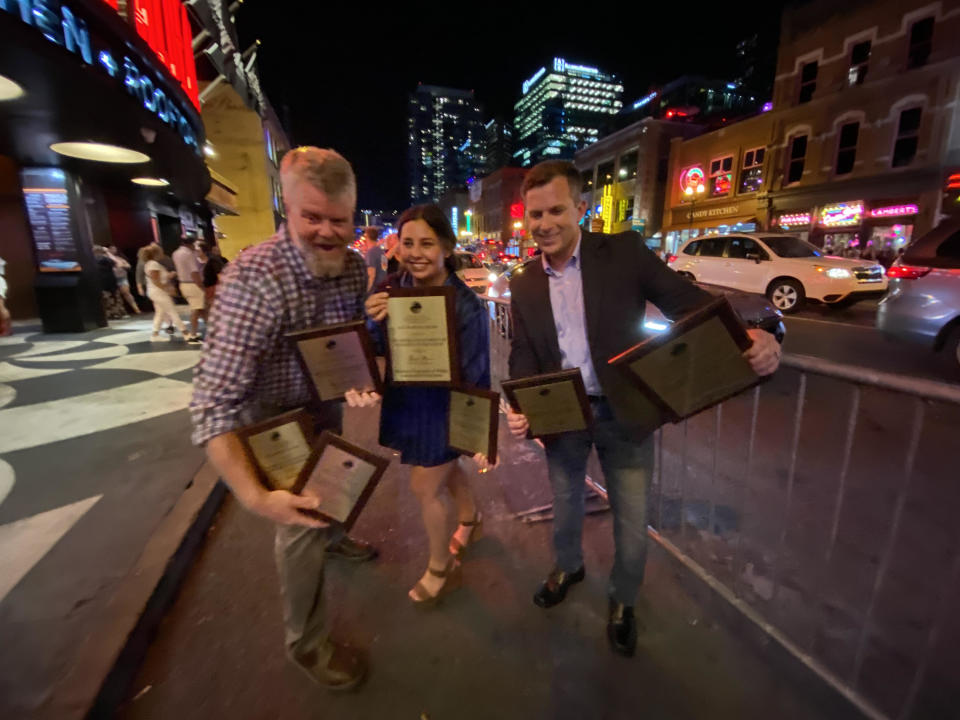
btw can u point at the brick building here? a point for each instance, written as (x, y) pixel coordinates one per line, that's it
(864, 132)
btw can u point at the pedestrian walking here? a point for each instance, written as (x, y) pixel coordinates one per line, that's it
(160, 290)
(578, 304)
(304, 276)
(191, 284)
(109, 297)
(121, 270)
(413, 419)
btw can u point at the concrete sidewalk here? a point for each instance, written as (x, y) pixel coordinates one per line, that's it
(95, 495)
(486, 652)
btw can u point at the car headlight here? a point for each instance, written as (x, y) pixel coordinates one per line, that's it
(839, 273)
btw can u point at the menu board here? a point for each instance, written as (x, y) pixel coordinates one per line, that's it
(48, 210)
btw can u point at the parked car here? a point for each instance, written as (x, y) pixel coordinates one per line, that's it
(755, 311)
(472, 272)
(785, 268)
(923, 303)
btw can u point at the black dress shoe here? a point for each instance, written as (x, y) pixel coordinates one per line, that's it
(622, 629)
(554, 590)
(352, 550)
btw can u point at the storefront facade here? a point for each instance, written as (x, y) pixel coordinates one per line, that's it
(101, 143)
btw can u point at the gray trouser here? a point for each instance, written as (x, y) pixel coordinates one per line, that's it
(300, 552)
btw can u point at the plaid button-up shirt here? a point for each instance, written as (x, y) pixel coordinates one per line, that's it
(247, 363)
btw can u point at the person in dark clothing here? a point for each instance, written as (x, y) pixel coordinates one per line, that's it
(110, 297)
(213, 264)
(413, 419)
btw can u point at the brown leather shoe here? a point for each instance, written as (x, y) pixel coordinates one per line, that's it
(345, 669)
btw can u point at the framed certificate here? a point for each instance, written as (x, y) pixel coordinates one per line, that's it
(553, 403)
(279, 448)
(697, 364)
(343, 476)
(338, 358)
(473, 422)
(422, 337)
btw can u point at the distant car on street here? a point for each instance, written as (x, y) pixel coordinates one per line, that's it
(923, 303)
(755, 311)
(785, 268)
(473, 272)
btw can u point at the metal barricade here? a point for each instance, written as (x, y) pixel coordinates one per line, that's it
(823, 504)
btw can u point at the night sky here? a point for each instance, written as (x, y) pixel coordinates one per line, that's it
(342, 81)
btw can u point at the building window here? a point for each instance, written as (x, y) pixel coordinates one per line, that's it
(628, 166)
(859, 59)
(908, 137)
(921, 43)
(751, 176)
(721, 176)
(798, 153)
(808, 82)
(847, 147)
(605, 174)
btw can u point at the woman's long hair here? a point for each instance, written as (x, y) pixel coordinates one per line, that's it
(435, 218)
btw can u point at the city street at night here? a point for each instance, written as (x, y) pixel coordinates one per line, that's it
(374, 362)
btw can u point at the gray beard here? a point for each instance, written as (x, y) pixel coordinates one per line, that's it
(322, 267)
(319, 266)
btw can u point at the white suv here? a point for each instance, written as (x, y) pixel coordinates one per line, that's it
(785, 268)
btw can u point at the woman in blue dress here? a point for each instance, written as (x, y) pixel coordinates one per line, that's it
(413, 419)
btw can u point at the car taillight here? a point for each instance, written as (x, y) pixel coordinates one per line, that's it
(671, 258)
(907, 272)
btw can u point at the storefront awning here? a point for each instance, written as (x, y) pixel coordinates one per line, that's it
(711, 223)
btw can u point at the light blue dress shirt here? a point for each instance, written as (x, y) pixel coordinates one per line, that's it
(569, 317)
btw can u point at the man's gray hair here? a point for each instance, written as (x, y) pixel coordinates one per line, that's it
(327, 170)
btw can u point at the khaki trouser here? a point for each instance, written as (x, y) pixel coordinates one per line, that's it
(300, 552)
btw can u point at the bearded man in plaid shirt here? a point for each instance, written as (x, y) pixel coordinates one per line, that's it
(304, 276)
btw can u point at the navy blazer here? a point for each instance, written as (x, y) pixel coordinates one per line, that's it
(620, 274)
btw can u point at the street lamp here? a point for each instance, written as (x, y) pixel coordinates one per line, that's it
(693, 194)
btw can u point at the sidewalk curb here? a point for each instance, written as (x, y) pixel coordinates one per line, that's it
(113, 651)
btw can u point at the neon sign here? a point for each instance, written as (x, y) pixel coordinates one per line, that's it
(527, 84)
(59, 25)
(644, 100)
(516, 211)
(561, 65)
(163, 24)
(691, 180)
(894, 211)
(841, 214)
(794, 220)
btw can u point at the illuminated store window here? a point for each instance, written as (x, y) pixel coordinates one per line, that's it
(721, 176)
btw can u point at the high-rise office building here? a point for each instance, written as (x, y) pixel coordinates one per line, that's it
(446, 140)
(499, 144)
(562, 110)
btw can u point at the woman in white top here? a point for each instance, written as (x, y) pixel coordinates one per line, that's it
(159, 290)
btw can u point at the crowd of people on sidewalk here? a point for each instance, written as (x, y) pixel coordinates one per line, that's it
(306, 276)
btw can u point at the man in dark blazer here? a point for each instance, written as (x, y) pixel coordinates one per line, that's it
(580, 302)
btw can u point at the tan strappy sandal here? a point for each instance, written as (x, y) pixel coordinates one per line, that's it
(422, 598)
(456, 547)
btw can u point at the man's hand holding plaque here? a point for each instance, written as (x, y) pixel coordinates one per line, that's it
(546, 405)
(704, 359)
